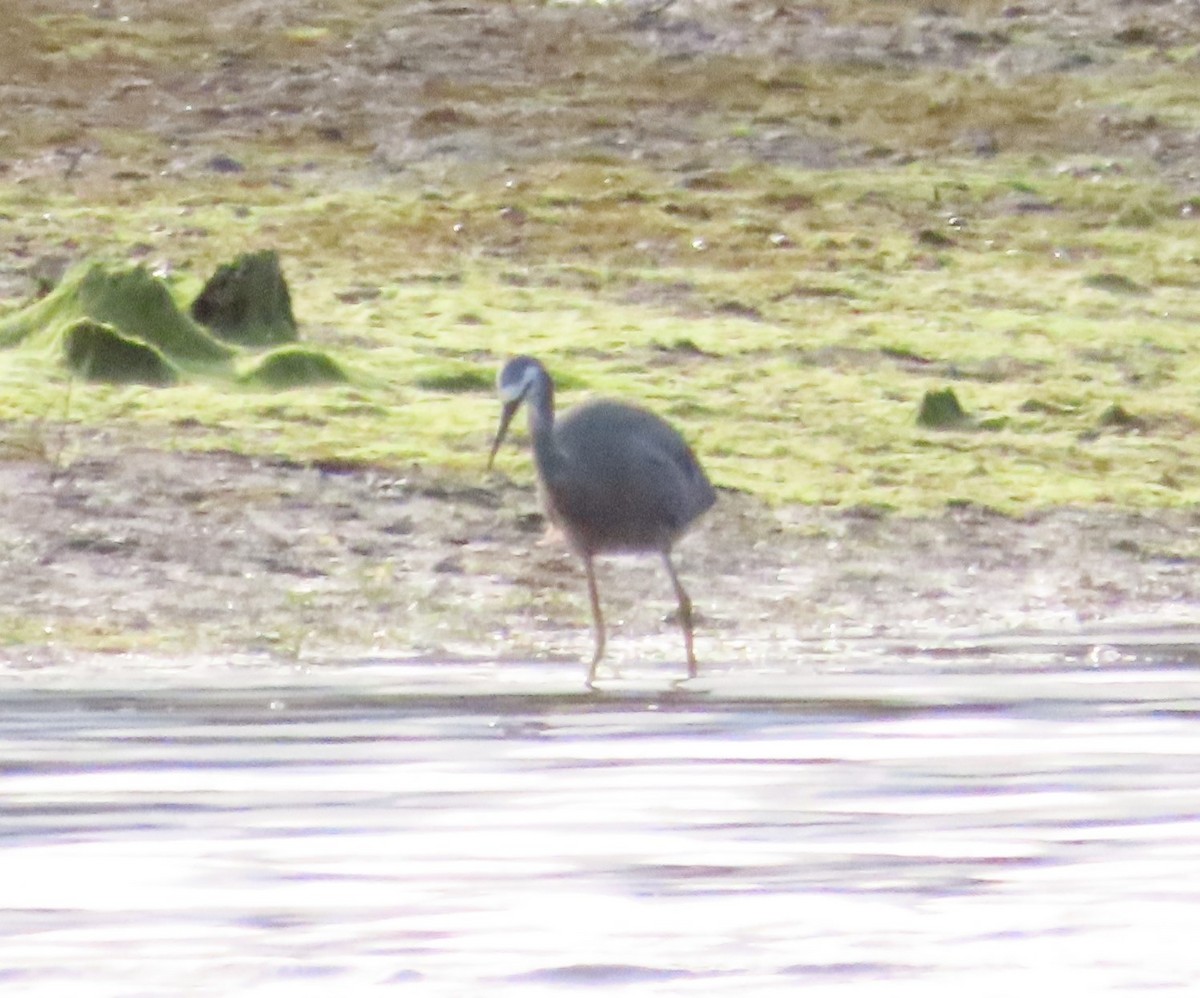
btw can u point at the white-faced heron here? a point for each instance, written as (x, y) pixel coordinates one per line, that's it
(613, 477)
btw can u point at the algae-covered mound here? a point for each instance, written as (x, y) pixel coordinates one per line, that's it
(98, 352)
(941, 410)
(247, 302)
(120, 324)
(130, 300)
(294, 367)
(460, 378)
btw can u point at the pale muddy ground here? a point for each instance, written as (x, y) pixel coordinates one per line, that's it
(122, 547)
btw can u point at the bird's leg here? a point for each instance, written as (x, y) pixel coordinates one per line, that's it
(685, 614)
(597, 618)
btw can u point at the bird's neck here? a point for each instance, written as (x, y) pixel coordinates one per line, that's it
(547, 455)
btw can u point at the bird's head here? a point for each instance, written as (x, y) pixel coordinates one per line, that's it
(517, 379)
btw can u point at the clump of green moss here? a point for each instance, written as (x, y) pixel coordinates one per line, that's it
(1117, 284)
(1117, 417)
(1136, 216)
(130, 300)
(295, 367)
(458, 380)
(941, 410)
(120, 324)
(98, 352)
(247, 302)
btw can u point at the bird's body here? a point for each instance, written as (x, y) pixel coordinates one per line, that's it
(613, 477)
(622, 480)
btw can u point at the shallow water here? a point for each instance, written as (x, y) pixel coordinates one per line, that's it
(968, 818)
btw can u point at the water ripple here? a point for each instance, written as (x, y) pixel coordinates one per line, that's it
(455, 827)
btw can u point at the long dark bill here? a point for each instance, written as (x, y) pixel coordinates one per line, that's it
(506, 415)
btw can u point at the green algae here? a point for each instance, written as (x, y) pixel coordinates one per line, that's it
(128, 299)
(294, 367)
(121, 325)
(789, 314)
(455, 379)
(941, 410)
(97, 351)
(800, 396)
(247, 302)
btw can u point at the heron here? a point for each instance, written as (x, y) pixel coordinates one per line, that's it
(613, 477)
